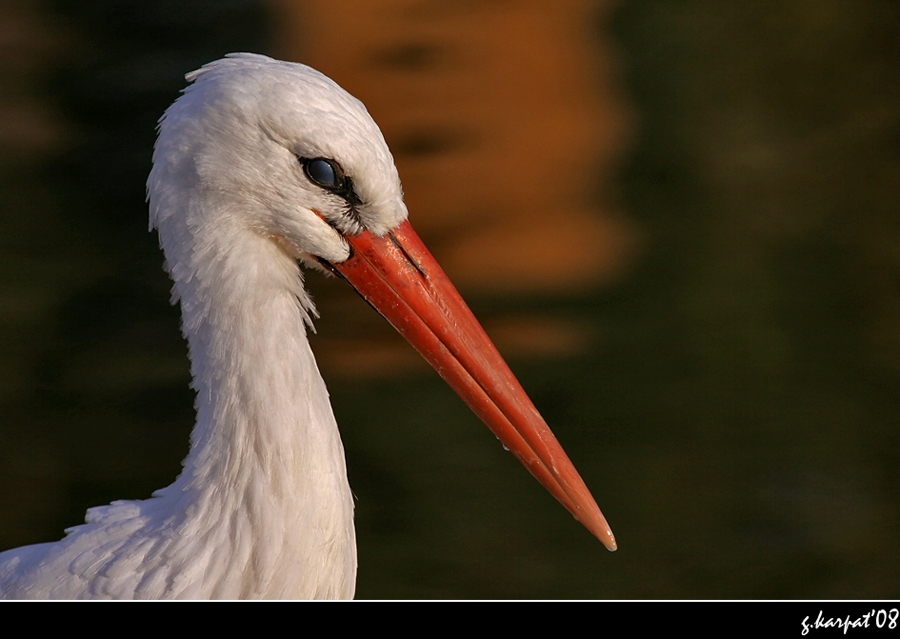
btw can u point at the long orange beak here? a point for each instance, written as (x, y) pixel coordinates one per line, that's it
(399, 277)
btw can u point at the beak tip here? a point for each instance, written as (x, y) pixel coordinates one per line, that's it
(601, 530)
(607, 539)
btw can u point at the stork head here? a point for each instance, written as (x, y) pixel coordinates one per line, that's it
(276, 148)
(282, 150)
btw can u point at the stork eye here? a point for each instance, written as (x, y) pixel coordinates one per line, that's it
(329, 175)
(324, 173)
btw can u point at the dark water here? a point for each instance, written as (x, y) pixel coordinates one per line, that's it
(737, 419)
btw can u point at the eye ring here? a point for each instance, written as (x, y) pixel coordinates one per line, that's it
(324, 173)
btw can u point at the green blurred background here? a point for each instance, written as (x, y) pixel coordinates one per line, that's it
(736, 418)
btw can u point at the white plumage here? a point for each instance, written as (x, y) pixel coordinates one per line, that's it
(258, 165)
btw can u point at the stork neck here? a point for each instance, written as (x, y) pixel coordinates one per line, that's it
(265, 451)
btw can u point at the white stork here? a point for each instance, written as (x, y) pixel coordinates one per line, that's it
(261, 164)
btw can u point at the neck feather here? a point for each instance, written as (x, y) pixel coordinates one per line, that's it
(266, 475)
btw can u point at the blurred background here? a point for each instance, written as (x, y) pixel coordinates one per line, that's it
(678, 220)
